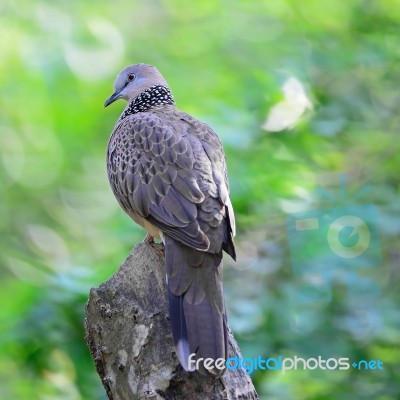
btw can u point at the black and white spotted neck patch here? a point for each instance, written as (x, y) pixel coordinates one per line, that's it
(154, 96)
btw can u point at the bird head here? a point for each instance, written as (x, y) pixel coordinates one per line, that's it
(134, 80)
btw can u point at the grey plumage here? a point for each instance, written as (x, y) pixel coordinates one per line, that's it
(168, 173)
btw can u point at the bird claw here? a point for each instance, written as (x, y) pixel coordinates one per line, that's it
(148, 239)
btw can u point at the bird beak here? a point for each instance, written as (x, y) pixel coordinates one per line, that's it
(114, 96)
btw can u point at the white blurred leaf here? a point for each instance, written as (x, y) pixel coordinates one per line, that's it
(287, 112)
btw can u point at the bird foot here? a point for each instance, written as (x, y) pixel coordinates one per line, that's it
(148, 239)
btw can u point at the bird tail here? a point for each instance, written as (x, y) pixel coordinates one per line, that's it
(196, 305)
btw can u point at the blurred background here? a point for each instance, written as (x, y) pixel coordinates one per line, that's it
(305, 98)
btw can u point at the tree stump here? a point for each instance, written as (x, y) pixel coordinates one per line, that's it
(129, 336)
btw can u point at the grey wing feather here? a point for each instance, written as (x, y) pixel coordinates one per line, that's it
(165, 172)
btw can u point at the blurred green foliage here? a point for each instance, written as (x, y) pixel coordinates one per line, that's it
(226, 62)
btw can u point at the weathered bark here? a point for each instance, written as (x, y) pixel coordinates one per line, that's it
(129, 336)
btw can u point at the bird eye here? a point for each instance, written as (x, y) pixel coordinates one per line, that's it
(131, 77)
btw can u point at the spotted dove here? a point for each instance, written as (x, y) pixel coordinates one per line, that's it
(168, 172)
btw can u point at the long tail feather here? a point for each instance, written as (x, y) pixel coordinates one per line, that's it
(196, 305)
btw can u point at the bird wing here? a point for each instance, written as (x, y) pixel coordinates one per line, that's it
(173, 174)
